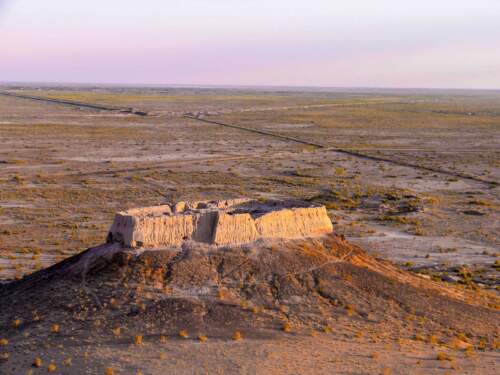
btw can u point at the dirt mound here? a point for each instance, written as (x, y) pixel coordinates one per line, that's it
(260, 290)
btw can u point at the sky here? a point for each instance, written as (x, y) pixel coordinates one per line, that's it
(325, 43)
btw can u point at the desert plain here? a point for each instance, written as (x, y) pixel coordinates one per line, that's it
(409, 179)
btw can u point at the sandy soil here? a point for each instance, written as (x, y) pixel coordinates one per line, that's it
(319, 304)
(64, 172)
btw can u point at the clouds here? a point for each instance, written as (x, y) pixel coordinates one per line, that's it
(326, 43)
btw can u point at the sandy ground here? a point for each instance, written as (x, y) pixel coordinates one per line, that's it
(345, 312)
(81, 166)
(323, 354)
(64, 172)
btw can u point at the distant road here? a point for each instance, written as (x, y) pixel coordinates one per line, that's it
(77, 104)
(349, 151)
(252, 130)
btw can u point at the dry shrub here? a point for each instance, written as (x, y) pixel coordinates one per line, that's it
(52, 368)
(441, 356)
(287, 327)
(237, 336)
(37, 362)
(202, 338)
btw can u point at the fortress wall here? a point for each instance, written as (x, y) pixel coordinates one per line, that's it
(234, 229)
(123, 228)
(150, 211)
(157, 231)
(220, 223)
(294, 223)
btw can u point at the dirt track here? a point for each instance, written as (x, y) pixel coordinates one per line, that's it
(75, 104)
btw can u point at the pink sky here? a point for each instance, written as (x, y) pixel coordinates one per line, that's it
(448, 44)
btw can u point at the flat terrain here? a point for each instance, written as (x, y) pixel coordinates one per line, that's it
(64, 171)
(421, 191)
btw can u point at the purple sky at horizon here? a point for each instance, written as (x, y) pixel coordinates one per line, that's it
(360, 43)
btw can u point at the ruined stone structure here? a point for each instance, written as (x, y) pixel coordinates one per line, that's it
(228, 222)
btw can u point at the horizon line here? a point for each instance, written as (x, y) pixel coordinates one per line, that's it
(240, 86)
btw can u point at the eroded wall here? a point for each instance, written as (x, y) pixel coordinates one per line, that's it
(218, 223)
